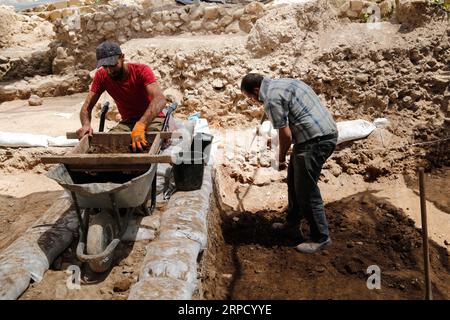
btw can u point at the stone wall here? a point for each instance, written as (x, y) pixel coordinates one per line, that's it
(356, 9)
(49, 86)
(81, 29)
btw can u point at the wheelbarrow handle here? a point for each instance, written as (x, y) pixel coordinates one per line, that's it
(105, 109)
(170, 109)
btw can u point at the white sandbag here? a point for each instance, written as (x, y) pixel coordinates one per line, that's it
(62, 141)
(183, 224)
(141, 228)
(37, 248)
(15, 139)
(348, 130)
(381, 122)
(175, 259)
(185, 217)
(14, 280)
(354, 129)
(153, 288)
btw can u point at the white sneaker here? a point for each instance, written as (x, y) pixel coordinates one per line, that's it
(312, 247)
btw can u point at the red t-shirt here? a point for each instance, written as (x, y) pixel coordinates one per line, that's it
(129, 93)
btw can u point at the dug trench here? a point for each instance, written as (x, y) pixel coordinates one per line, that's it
(245, 259)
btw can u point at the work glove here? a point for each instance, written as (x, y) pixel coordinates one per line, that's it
(84, 130)
(138, 140)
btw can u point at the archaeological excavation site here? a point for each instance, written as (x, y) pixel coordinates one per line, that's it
(224, 150)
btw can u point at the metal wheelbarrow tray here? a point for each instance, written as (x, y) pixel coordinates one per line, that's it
(94, 176)
(107, 188)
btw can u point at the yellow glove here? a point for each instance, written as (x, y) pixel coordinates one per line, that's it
(138, 137)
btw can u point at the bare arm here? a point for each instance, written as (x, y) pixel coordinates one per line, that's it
(285, 139)
(86, 109)
(86, 114)
(156, 106)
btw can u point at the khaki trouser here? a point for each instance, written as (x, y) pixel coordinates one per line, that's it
(128, 125)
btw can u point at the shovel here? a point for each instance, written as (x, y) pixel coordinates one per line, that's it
(263, 118)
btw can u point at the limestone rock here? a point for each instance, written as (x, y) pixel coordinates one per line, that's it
(196, 14)
(225, 21)
(195, 25)
(7, 93)
(245, 23)
(109, 26)
(135, 24)
(362, 78)
(270, 31)
(356, 5)
(218, 84)
(62, 62)
(238, 13)
(255, 8)
(34, 100)
(233, 27)
(173, 95)
(211, 12)
(147, 25)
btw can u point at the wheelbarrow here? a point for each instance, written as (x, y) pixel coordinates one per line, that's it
(107, 188)
(104, 208)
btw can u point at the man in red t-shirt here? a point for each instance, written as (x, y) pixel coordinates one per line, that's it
(133, 87)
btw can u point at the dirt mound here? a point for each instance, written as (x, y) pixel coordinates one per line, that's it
(21, 30)
(10, 24)
(26, 159)
(277, 30)
(407, 83)
(256, 263)
(412, 14)
(18, 214)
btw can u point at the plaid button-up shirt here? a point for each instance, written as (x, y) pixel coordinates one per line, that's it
(292, 102)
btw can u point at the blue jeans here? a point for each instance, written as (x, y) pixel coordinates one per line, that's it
(304, 169)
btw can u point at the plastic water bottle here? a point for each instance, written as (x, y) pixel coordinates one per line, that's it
(194, 116)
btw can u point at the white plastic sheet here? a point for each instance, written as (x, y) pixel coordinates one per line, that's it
(17, 139)
(10, 139)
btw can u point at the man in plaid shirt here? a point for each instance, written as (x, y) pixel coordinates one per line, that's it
(301, 119)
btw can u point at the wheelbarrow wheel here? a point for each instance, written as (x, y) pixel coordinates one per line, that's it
(102, 230)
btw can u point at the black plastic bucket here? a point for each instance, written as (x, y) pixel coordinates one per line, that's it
(188, 172)
(202, 142)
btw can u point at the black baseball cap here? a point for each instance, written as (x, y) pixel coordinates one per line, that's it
(107, 54)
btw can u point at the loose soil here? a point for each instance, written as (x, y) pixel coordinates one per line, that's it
(437, 187)
(101, 149)
(247, 260)
(17, 214)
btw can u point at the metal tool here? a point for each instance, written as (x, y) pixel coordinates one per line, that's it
(103, 113)
(263, 118)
